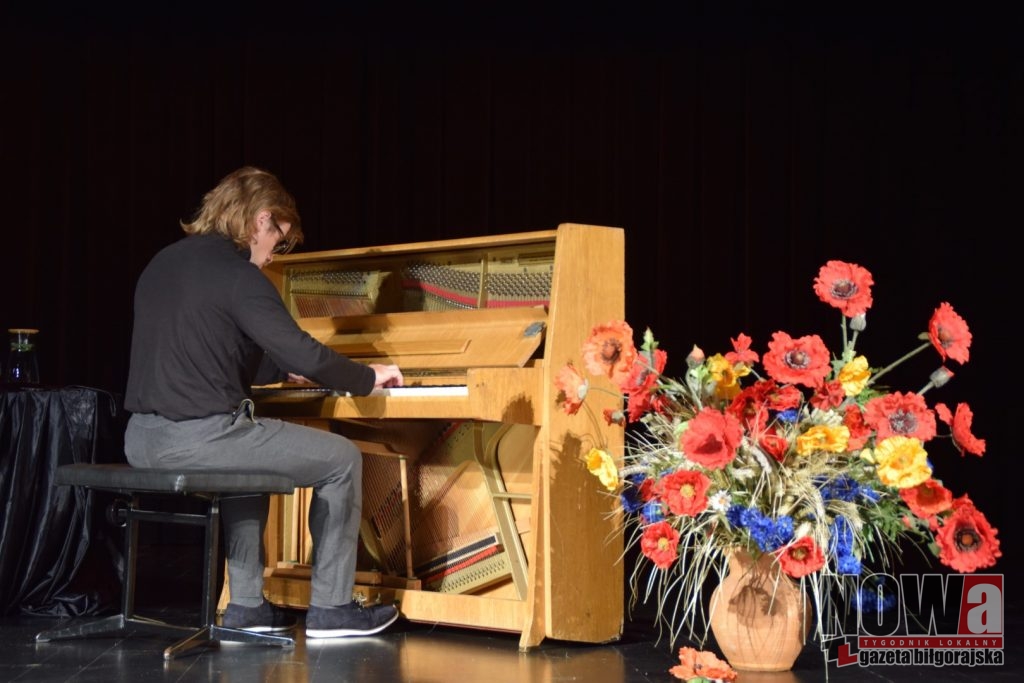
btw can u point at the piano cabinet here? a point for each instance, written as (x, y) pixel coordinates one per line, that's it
(479, 511)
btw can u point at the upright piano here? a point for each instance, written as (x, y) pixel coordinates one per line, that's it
(478, 509)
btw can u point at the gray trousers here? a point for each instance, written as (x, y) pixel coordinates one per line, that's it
(329, 463)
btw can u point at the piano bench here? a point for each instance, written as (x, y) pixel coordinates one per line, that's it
(137, 484)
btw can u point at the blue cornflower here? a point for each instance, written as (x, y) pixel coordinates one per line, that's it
(651, 512)
(789, 416)
(735, 516)
(842, 536)
(841, 545)
(843, 488)
(874, 599)
(769, 534)
(630, 496)
(869, 493)
(848, 563)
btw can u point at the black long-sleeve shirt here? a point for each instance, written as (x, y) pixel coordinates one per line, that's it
(208, 325)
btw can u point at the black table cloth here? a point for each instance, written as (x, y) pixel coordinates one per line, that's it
(49, 561)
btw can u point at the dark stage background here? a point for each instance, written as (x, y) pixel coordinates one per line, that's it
(740, 145)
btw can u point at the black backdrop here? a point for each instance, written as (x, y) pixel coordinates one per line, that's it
(740, 144)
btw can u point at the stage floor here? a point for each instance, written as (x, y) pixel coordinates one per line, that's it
(407, 652)
(411, 652)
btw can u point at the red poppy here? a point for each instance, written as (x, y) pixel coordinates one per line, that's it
(853, 418)
(741, 352)
(685, 491)
(927, 499)
(967, 542)
(609, 351)
(774, 444)
(572, 387)
(638, 405)
(801, 557)
(643, 384)
(949, 334)
(829, 395)
(748, 407)
(646, 490)
(712, 438)
(781, 398)
(701, 665)
(660, 544)
(960, 424)
(802, 361)
(845, 286)
(899, 414)
(660, 403)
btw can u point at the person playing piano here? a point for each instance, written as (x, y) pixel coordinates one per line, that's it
(207, 326)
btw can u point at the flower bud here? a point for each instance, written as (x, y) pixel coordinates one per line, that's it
(583, 389)
(859, 322)
(696, 357)
(941, 376)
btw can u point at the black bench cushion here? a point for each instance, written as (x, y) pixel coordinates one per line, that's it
(127, 479)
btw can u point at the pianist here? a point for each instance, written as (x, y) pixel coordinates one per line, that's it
(207, 326)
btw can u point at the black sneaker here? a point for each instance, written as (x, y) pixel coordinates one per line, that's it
(349, 620)
(263, 619)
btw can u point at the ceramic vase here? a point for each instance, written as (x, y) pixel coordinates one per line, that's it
(758, 615)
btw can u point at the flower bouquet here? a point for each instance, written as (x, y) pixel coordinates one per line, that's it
(809, 459)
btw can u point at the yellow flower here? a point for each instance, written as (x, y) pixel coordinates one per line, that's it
(854, 376)
(829, 438)
(726, 376)
(902, 462)
(603, 467)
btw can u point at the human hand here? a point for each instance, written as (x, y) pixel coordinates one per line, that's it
(298, 379)
(387, 376)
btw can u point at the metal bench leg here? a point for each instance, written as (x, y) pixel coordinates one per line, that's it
(127, 621)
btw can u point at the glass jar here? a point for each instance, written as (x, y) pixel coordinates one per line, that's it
(22, 364)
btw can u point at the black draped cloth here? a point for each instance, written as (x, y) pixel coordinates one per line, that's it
(54, 559)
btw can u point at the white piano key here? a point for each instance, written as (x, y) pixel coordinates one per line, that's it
(456, 390)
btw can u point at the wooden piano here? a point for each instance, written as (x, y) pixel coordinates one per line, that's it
(478, 507)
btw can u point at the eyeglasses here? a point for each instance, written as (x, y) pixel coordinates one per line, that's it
(284, 245)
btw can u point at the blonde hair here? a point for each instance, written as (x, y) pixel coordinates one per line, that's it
(230, 208)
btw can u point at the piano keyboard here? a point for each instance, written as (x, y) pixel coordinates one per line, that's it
(442, 390)
(313, 392)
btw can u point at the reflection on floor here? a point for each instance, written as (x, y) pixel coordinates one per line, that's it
(409, 652)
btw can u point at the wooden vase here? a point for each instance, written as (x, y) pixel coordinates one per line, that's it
(758, 615)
